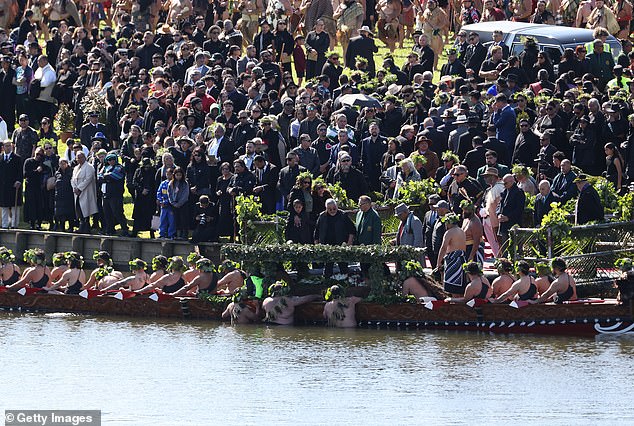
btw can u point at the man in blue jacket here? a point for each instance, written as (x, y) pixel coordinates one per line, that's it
(504, 121)
(112, 178)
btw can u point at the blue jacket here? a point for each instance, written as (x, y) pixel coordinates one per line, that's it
(504, 122)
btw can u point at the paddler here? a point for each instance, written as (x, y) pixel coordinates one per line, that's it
(59, 266)
(478, 287)
(134, 282)
(72, 281)
(192, 272)
(563, 288)
(9, 271)
(233, 278)
(172, 281)
(159, 267)
(37, 275)
(104, 260)
(204, 282)
(242, 310)
(339, 310)
(280, 307)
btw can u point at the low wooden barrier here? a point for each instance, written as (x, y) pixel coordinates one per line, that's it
(122, 249)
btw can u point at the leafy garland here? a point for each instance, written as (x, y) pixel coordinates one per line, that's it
(176, 264)
(205, 265)
(626, 206)
(193, 257)
(64, 119)
(59, 259)
(6, 256)
(557, 221)
(159, 262)
(35, 256)
(137, 265)
(417, 192)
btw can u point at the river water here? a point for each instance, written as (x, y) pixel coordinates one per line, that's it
(141, 372)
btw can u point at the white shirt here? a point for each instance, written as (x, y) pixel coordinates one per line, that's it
(46, 76)
(3, 131)
(213, 147)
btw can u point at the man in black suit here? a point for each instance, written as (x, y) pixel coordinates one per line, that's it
(465, 143)
(266, 177)
(454, 66)
(510, 210)
(289, 173)
(429, 221)
(498, 35)
(475, 55)
(363, 46)
(11, 175)
(372, 149)
(438, 232)
(494, 144)
(542, 202)
(90, 129)
(589, 205)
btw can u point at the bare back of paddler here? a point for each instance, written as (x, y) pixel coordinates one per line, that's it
(341, 312)
(280, 310)
(37, 277)
(203, 282)
(231, 281)
(242, 312)
(134, 282)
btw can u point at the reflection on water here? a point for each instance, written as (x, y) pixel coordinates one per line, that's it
(200, 373)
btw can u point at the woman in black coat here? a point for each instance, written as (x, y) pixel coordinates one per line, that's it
(64, 197)
(145, 201)
(225, 214)
(200, 175)
(35, 188)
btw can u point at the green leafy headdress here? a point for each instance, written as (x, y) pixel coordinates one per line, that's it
(35, 256)
(137, 265)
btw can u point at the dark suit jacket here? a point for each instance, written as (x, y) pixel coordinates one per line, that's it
(368, 227)
(542, 207)
(287, 179)
(456, 68)
(269, 194)
(88, 131)
(364, 47)
(589, 206)
(512, 206)
(475, 56)
(438, 138)
(10, 172)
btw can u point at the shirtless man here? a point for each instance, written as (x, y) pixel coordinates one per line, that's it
(279, 307)
(37, 275)
(179, 10)
(233, 279)
(522, 289)
(205, 281)
(452, 256)
(388, 24)
(478, 287)
(339, 311)
(505, 279)
(583, 13)
(103, 278)
(623, 11)
(59, 266)
(472, 226)
(134, 282)
(563, 288)
(435, 24)
(522, 10)
(241, 310)
(103, 259)
(248, 23)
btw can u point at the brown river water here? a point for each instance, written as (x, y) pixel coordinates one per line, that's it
(150, 372)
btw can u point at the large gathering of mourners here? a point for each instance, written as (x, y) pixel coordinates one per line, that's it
(251, 302)
(185, 106)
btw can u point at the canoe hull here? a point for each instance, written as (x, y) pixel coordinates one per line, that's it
(574, 319)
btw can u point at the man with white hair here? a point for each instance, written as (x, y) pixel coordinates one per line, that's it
(542, 202)
(388, 178)
(334, 228)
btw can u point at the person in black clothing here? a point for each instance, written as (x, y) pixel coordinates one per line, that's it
(453, 66)
(283, 44)
(26, 26)
(543, 200)
(7, 93)
(510, 209)
(526, 145)
(214, 44)
(333, 70)
(334, 228)
(145, 52)
(205, 221)
(200, 175)
(266, 178)
(364, 46)
(465, 142)
(589, 206)
(264, 38)
(145, 186)
(475, 55)
(350, 179)
(474, 159)
(242, 182)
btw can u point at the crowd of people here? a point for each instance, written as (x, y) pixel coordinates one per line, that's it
(187, 106)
